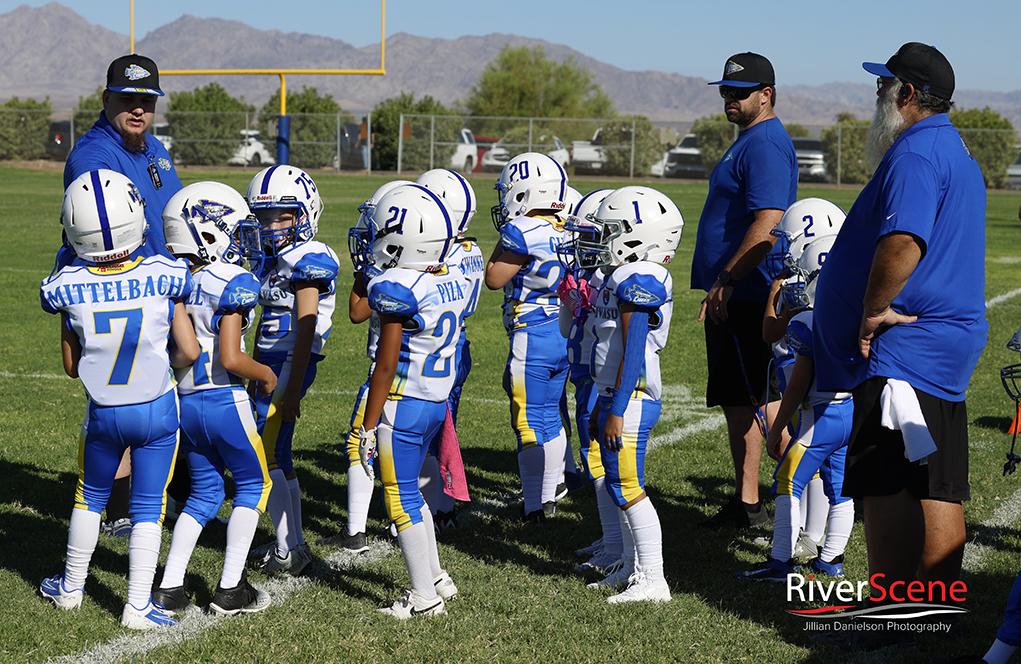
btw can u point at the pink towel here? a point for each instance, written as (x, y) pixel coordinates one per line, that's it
(455, 484)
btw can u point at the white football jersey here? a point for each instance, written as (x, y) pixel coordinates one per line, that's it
(122, 315)
(432, 306)
(530, 297)
(467, 258)
(307, 262)
(648, 286)
(580, 338)
(219, 289)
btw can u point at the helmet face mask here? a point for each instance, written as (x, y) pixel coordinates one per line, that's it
(103, 216)
(360, 236)
(798, 292)
(530, 181)
(1011, 375)
(210, 222)
(804, 222)
(583, 248)
(285, 188)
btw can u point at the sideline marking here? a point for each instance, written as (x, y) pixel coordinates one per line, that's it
(985, 535)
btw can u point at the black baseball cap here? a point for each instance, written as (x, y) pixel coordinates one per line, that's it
(747, 70)
(920, 65)
(134, 73)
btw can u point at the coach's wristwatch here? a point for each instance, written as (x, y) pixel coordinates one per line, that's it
(727, 279)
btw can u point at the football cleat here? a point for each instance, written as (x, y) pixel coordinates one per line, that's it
(444, 521)
(171, 599)
(806, 548)
(598, 563)
(118, 528)
(357, 543)
(53, 589)
(445, 587)
(642, 588)
(294, 563)
(833, 568)
(151, 617)
(242, 598)
(771, 570)
(413, 605)
(619, 578)
(590, 550)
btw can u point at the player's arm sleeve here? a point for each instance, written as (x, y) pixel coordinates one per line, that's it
(239, 296)
(319, 268)
(189, 283)
(389, 298)
(633, 361)
(644, 291)
(513, 240)
(911, 195)
(799, 338)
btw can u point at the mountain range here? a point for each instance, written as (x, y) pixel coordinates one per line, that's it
(52, 51)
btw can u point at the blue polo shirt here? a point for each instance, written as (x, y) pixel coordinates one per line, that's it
(103, 147)
(758, 172)
(928, 185)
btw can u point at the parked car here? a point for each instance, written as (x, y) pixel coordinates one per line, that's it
(811, 166)
(494, 159)
(658, 169)
(58, 144)
(1014, 172)
(684, 160)
(350, 151)
(559, 152)
(161, 130)
(251, 151)
(587, 156)
(466, 154)
(483, 144)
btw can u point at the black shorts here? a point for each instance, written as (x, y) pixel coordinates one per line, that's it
(737, 371)
(876, 465)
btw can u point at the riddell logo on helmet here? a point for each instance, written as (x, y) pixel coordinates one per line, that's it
(112, 257)
(557, 206)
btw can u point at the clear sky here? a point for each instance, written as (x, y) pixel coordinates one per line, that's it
(808, 42)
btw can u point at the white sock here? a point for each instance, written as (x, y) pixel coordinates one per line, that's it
(627, 538)
(817, 510)
(530, 465)
(82, 536)
(414, 543)
(553, 466)
(143, 553)
(240, 532)
(648, 536)
(841, 522)
(432, 551)
(569, 464)
(999, 653)
(359, 495)
(295, 490)
(186, 536)
(608, 519)
(279, 507)
(429, 483)
(785, 527)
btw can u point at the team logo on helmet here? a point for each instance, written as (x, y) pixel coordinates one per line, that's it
(242, 297)
(207, 210)
(134, 195)
(134, 73)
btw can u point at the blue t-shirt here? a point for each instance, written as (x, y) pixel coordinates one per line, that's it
(103, 147)
(758, 172)
(930, 186)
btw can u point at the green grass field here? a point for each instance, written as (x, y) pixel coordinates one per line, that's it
(519, 599)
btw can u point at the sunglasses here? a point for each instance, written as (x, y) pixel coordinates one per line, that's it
(738, 94)
(883, 82)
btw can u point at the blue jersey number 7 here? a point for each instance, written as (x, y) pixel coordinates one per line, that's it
(121, 373)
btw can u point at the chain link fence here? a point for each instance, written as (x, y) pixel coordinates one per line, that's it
(630, 148)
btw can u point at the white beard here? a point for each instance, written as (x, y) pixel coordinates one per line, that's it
(887, 125)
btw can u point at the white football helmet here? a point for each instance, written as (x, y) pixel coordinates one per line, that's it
(568, 251)
(359, 237)
(571, 200)
(798, 292)
(103, 216)
(530, 181)
(632, 224)
(411, 227)
(805, 221)
(211, 221)
(455, 191)
(286, 187)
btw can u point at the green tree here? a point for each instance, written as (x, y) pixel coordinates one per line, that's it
(523, 82)
(206, 124)
(991, 139)
(796, 130)
(313, 138)
(87, 112)
(843, 146)
(715, 135)
(420, 134)
(615, 137)
(24, 127)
